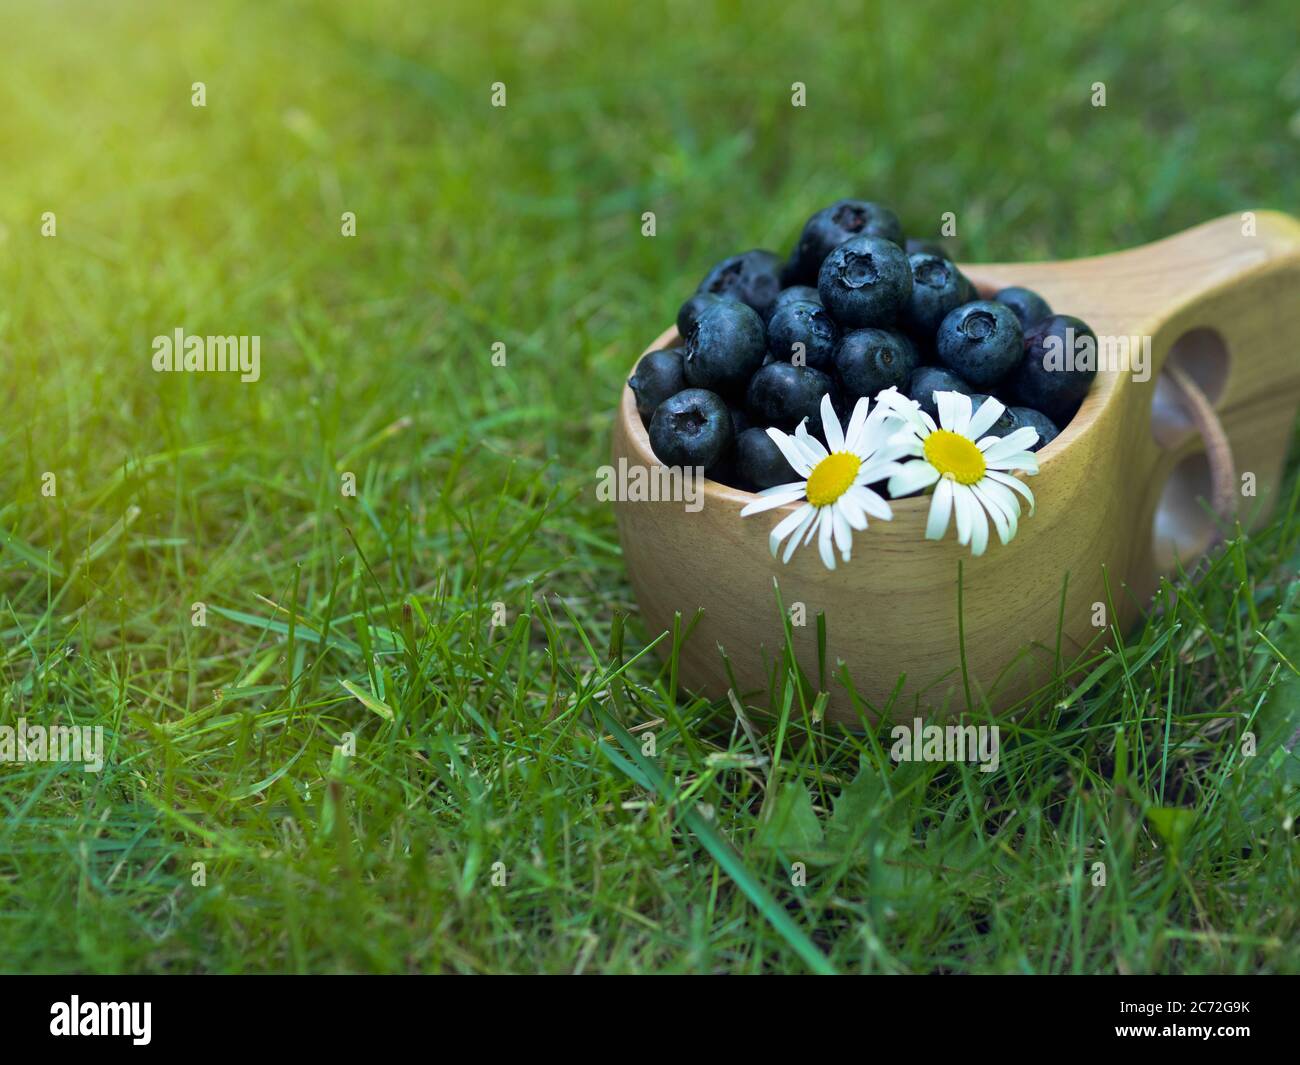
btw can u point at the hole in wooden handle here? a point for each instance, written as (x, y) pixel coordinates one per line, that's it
(1201, 355)
(1184, 528)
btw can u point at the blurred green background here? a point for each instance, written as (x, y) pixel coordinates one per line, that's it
(475, 225)
(522, 224)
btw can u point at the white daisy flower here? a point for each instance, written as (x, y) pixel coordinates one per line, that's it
(834, 482)
(972, 476)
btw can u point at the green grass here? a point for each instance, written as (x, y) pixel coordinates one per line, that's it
(522, 744)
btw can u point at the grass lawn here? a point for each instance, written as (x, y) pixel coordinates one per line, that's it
(226, 832)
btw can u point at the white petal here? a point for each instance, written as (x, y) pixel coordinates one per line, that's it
(1021, 440)
(782, 489)
(906, 409)
(872, 472)
(793, 452)
(771, 502)
(809, 515)
(982, 420)
(963, 503)
(1015, 484)
(843, 534)
(869, 440)
(870, 501)
(940, 511)
(964, 407)
(824, 539)
(979, 540)
(852, 510)
(809, 531)
(883, 446)
(906, 443)
(812, 447)
(1003, 497)
(787, 525)
(1017, 460)
(892, 398)
(912, 478)
(815, 526)
(882, 414)
(892, 423)
(954, 411)
(995, 512)
(853, 435)
(831, 427)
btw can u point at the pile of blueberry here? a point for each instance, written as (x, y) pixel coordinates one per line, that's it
(856, 309)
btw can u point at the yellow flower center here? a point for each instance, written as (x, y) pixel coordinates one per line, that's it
(954, 456)
(832, 477)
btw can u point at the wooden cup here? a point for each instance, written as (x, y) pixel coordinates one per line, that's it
(1116, 499)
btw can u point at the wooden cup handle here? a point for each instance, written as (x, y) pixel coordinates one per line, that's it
(1224, 330)
(1196, 406)
(1221, 305)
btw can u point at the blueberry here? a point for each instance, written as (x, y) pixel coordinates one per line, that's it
(925, 247)
(936, 289)
(832, 226)
(760, 461)
(753, 278)
(981, 340)
(725, 471)
(866, 281)
(783, 395)
(1047, 430)
(689, 312)
(1047, 378)
(739, 420)
(869, 360)
(692, 428)
(1007, 422)
(657, 376)
(1027, 305)
(805, 323)
(927, 380)
(725, 347)
(795, 294)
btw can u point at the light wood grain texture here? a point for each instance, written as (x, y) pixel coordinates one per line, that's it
(892, 610)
